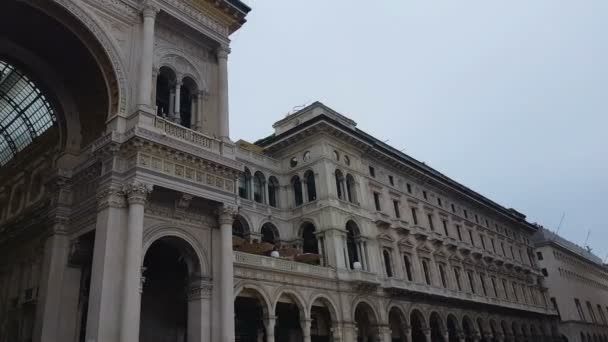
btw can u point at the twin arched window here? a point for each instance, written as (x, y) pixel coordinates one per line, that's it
(311, 188)
(255, 186)
(176, 99)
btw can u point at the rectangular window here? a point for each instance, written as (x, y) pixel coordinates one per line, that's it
(554, 302)
(427, 275)
(457, 277)
(431, 225)
(579, 308)
(414, 216)
(505, 289)
(439, 201)
(482, 280)
(466, 214)
(442, 274)
(487, 223)
(377, 201)
(453, 208)
(476, 218)
(591, 312)
(471, 281)
(424, 195)
(409, 187)
(601, 313)
(459, 231)
(372, 171)
(445, 227)
(539, 255)
(483, 241)
(493, 245)
(391, 180)
(396, 207)
(471, 238)
(545, 273)
(494, 288)
(408, 267)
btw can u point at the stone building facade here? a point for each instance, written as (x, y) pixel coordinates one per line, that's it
(127, 213)
(577, 283)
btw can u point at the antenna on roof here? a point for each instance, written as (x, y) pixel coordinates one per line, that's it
(587, 240)
(296, 109)
(559, 226)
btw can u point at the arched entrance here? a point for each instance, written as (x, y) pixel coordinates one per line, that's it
(289, 312)
(453, 330)
(323, 320)
(366, 322)
(436, 326)
(468, 329)
(171, 301)
(250, 316)
(397, 323)
(418, 326)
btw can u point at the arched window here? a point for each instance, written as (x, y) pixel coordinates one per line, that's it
(309, 239)
(387, 263)
(187, 107)
(311, 188)
(270, 233)
(273, 191)
(444, 281)
(427, 274)
(350, 188)
(352, 243)
(339, 183)
(297, 190)
(25, 112)
(240, 227)
(258, 187)
(244, 181)
(408, 267)
(165, 92)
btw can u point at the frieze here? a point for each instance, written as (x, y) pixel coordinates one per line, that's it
(191, 173)
(199, 16)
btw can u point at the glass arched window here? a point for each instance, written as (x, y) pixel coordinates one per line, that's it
(297, 190)
(25, 112)
(339, 183)
(408, 267)
(270, 233)
(352, 245)
(244, 180)
(350, 188)
(273, 191)
(387, 263)
(258, 187)
(309, 239)
(311, 188)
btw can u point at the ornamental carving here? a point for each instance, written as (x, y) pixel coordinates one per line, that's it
(112, 196)
(226, 214)
(137, 192)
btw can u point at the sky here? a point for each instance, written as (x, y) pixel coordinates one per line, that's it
(509, 98)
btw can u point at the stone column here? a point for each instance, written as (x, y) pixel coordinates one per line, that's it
(350, 331)
(385, 333)
(269, 323)
(177, 102)
(408, 333)
(223, 111)
(147, 57)
(446, 336)
(131, 294)
(103, 317)
(427, 334)
(226, 218)
(305, 324)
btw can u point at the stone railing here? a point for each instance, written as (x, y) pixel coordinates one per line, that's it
(199, 139)
(400, 284)
(283, 265)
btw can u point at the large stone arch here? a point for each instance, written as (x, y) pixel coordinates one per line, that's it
(359, 300)
(259, 291)
(155, 233)
(328, 302)
(182, 65)
(110, 60)
(293, 295)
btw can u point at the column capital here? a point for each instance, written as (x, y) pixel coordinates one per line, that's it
(222, 52)
(226, 214)
(149, 9)
(112, 196)
(137, 192)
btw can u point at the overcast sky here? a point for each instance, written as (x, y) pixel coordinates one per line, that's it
(507, 97)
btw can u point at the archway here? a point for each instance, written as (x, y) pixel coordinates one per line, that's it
(165, 91)
(468, 329)
(483, 333)
(240, 232)
(397, 322)
(323, 320)
(170, 305)
(453, 330)
(418, 326)
(270, 233)
(310, 244)
(437, 329)
(366, 322)
(289, 311)
(250, 316)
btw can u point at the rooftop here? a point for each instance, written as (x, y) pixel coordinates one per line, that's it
(545, 236)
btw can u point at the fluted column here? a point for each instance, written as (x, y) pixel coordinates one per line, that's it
(226, 218)
(223, 110)
(270, 322)
(147, 56)
(131, 295)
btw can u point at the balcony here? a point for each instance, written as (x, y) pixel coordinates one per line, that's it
(282, 265)
(361, 278)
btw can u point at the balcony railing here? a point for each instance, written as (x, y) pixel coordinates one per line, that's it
(283, 265)
(169, 128)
